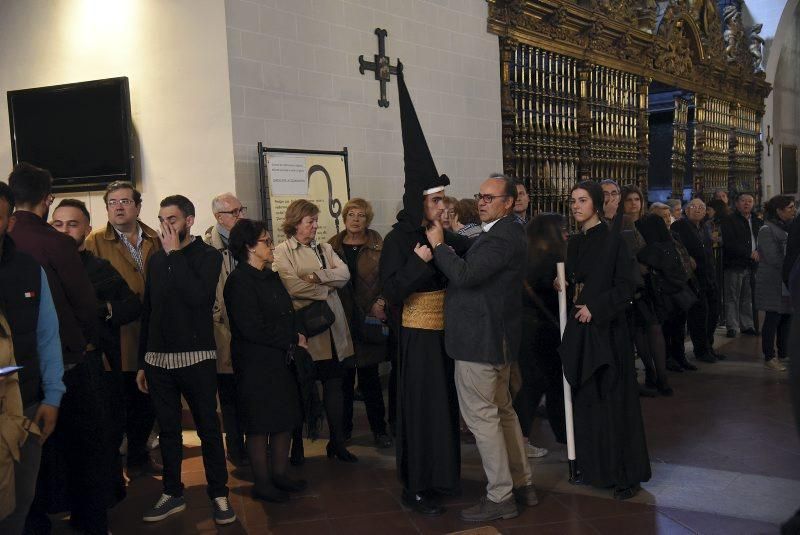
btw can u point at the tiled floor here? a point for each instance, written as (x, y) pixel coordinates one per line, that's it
(725, 454)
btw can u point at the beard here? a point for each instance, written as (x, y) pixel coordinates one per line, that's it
(182, 235)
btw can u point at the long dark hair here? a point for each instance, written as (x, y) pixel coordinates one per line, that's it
(545, 235)
(778, 202)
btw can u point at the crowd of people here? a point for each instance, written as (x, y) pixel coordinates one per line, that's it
(113, 326)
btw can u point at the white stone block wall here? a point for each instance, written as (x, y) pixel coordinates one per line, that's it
(295, 84)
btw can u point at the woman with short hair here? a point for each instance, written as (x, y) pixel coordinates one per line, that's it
(465, 220)
(263, 339)
(365, 307)
(314, 272)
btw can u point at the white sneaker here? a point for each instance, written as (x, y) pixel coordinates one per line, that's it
(534, 452)
(775, 364)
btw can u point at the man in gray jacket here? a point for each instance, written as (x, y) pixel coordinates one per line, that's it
(482, 334)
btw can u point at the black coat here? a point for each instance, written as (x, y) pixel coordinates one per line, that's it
(484, 294)
(263, 333)
(693, 238)
(737, 240)
(598, 362)
(111, 288)
(179, 295)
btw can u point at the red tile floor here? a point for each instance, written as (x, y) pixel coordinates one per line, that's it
(725, 455)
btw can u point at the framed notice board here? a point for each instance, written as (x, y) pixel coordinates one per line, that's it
(318, 176)
(789, 168)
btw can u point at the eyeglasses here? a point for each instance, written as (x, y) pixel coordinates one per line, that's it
(123, 202)
(266, 241)
(607, 194)
(488, 198)
(236, 212)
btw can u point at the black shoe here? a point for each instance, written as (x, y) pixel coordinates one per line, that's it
(686, 365)
(383, 441)
(421, 504)
(750, 332)
(731, 333)
(340, 452)
(625, 493)
(287, 484)
(647, 392)
(665, 391)
(718, 356)
(269, 494)
(709, 357)
(673, 366)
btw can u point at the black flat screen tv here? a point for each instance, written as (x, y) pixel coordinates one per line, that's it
(80, 132)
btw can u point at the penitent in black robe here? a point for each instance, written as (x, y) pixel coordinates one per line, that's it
(610, 444)
(427, 433)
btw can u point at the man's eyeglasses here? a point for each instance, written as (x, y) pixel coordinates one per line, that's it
(236, 212)
(122, 202)
(487, 198)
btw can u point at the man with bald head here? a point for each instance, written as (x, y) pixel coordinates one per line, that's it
(227, 210)
(702, 317)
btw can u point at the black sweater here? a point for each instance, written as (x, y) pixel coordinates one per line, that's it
(179, 299)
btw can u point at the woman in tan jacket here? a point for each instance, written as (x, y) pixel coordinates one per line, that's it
(313, 272)
(14, 427)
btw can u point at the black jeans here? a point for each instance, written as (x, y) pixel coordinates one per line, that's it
(776, 325)
(198, 385)
(72, 476)
(231, 416)
(540, 368)
(139, 420)
(674, 330)
(369, 382)
(702, 319)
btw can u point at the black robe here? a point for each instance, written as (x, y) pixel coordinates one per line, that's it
(427, 431)
(610, 444)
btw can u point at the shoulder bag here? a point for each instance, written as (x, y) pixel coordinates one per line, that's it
(317, 317)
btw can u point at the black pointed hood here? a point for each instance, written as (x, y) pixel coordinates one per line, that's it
(421, 175)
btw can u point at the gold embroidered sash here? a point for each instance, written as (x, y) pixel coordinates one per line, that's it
(424, 310)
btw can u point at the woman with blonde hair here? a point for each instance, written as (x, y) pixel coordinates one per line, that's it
(314, 272)
(365, 307)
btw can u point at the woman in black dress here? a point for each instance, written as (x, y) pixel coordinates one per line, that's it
(263, 339)
(597, 353)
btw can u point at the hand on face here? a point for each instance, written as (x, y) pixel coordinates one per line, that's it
(169, 238)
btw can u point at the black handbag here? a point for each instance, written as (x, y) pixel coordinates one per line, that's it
(317, 317)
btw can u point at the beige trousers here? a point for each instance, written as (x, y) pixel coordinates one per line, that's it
(485, 400)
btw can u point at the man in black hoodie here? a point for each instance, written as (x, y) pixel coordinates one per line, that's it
(117, 305)
(177, 355)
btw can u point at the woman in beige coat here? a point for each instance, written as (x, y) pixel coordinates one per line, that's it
(313, 272)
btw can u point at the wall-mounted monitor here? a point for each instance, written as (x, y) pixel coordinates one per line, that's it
(80, 132)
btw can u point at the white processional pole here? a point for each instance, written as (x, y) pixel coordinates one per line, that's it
(562, 316)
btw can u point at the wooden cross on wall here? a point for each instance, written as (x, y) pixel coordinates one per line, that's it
(380, 65)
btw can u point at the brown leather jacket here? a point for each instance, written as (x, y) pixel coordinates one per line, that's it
(105, 243)
(365, 288)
